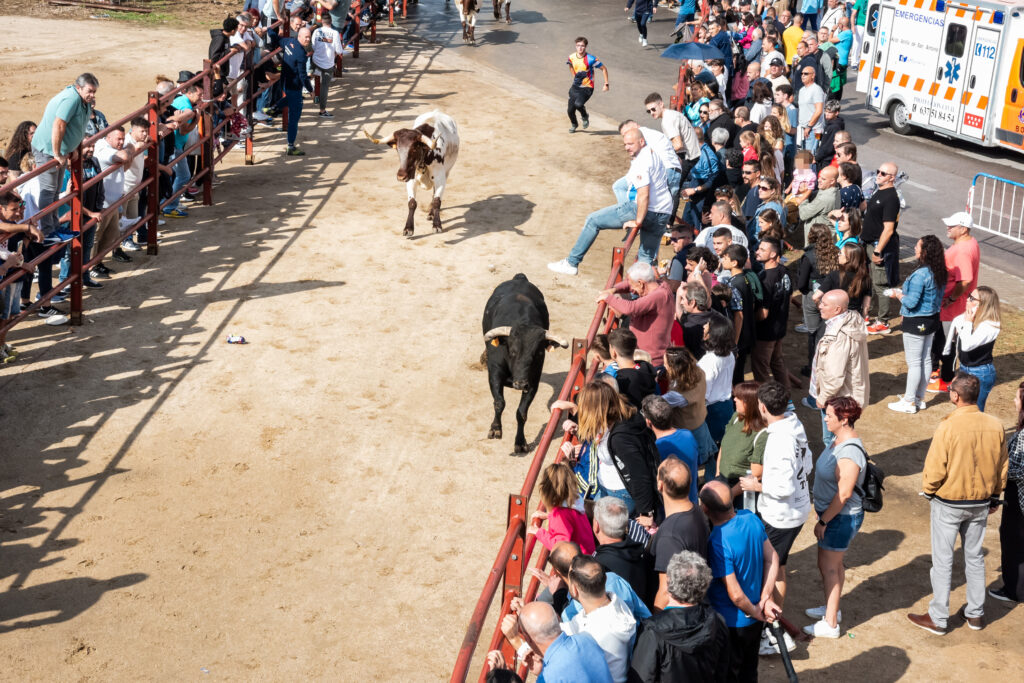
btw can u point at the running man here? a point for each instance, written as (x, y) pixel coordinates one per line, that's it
(582, 66)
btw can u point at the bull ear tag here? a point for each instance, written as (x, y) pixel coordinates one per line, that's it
(495, 342)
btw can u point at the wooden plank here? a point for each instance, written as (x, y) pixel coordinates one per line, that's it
(101, 5)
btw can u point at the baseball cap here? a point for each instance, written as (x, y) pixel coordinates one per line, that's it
(776, 62)
(959, 218)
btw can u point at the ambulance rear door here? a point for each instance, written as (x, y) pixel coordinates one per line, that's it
(880, 56)
(980, 77)
(951, 73)
(865, 59)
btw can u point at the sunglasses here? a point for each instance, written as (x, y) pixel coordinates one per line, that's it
(651, 110)
(881, 172)
(973, 298)
(763, 187)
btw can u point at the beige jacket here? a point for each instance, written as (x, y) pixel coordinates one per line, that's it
(841, 361)
(967, 461)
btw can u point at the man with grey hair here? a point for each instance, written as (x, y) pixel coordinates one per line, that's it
(693, 310)
(648, 204)
(58, 135)
(688, 640)
(650, 314)
(617, 552)
(565, 658)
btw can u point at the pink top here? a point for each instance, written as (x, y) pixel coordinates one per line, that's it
(568, 524)
(651, 318)
(962, 261)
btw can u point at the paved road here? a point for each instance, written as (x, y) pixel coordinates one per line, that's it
(534, 48)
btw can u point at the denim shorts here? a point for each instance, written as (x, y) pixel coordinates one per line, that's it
(840, 532)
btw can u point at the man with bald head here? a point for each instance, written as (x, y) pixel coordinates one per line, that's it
(744, 566)
(825, 199)
(561, 559)
(840, 363)
(564, 657)
(879, 236)
(295, 80)
(647, 203)
(684, 528)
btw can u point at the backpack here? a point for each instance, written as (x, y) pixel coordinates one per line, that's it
(754, 283)
(871, 492)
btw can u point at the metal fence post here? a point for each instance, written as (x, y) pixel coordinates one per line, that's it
(76, 243)
(206, 133)
(153, 167)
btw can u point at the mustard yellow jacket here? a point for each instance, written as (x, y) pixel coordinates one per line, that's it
(967, 461)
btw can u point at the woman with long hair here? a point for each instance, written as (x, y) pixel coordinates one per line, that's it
(769, 195)
(774, 136)
(696, 99)
(847, 224)
(852, 276)
(820, 258)
(972, 335)
(1011, 526)
(687, 392)
(920, 301)
(19, 146)
(850, 178)
(838, 483)
(769, 225)
(718, 364)
(742, 450)
(760, 101)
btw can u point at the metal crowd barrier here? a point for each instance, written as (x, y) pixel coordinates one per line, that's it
(517, 546)
(997, 206)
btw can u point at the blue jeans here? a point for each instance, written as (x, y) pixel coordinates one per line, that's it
(88, 237)
(673, 178)
(827, 437)
(612, 218)
(181, 177)
(293, 100)
(916, 349)
(986, 374)
(621, 494)
(48, 184)
(718, 416)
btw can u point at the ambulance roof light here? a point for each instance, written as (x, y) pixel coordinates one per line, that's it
(997, 17)
(940, 6)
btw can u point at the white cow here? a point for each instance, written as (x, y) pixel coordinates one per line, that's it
(426, 154)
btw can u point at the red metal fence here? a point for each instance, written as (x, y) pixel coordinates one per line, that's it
(150, 214)
(517, 546)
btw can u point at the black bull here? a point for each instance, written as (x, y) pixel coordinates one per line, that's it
(515, 327)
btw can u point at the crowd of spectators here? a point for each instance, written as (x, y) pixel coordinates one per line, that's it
(696, 480)
(256, 56)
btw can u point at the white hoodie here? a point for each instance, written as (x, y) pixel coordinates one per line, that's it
(613, 627)
(785, 497)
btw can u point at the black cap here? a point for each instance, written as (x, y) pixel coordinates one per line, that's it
(185, 76)
(777, 62)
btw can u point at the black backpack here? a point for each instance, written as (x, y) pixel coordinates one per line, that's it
(871, 492)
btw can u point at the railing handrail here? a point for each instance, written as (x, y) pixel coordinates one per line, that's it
(512, 532)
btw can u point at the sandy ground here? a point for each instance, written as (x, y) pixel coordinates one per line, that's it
(323, 502)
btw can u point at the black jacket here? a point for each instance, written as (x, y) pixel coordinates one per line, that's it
(807, 270)
(219, 47)
(826, 148)
(637, 383)
(631, 561)
(723, 121)
(682, 644)
(632, 448)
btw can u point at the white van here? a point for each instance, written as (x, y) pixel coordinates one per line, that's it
(956, 68)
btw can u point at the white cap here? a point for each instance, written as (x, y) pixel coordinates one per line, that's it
(959, 218)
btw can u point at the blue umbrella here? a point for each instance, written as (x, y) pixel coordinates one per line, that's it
(701, 51)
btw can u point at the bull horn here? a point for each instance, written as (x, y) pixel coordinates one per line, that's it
(429, 142)
(556, 340)
(376, 141)
(498, 332)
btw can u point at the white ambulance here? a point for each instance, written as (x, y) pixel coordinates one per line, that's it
(956, 68)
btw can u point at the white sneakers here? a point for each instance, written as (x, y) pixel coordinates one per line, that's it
(643, 41)
(769, 646)
(821, 629)
(819, 613)
(903, 406)
(563, 267)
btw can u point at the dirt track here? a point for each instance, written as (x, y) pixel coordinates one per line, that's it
(323, 502)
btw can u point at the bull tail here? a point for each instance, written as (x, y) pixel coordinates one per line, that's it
(374, 140)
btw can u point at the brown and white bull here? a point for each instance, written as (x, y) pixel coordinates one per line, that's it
(467, 15)
(507, 4)
(426, 154)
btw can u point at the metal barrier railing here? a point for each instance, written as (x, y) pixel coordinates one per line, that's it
(997, 206)
(156, 103)
(517, 546)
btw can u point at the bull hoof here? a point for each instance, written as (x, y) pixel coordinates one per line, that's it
(508, 21)
(437, 227)
(494, 433)
(407, 232)
(522, 448)
(497, 16)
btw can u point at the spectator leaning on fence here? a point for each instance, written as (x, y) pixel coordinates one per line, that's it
(11, 210)
(58, 135)
(184, 106)
(110, 152)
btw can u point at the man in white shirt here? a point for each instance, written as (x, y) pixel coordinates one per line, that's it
(721, 217)
(326, 46)
(648, 204)
(836, 11)
(777, 73)
(678, 129)
(135, 147)
(811, 105)
(666, 153)
(110, 152)
(605, 617)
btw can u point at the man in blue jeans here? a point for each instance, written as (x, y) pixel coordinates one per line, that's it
(58, 135)
(295, 79)
(185, 107)
(648, 203)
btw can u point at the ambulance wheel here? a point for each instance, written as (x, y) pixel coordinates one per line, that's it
(899, 119)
